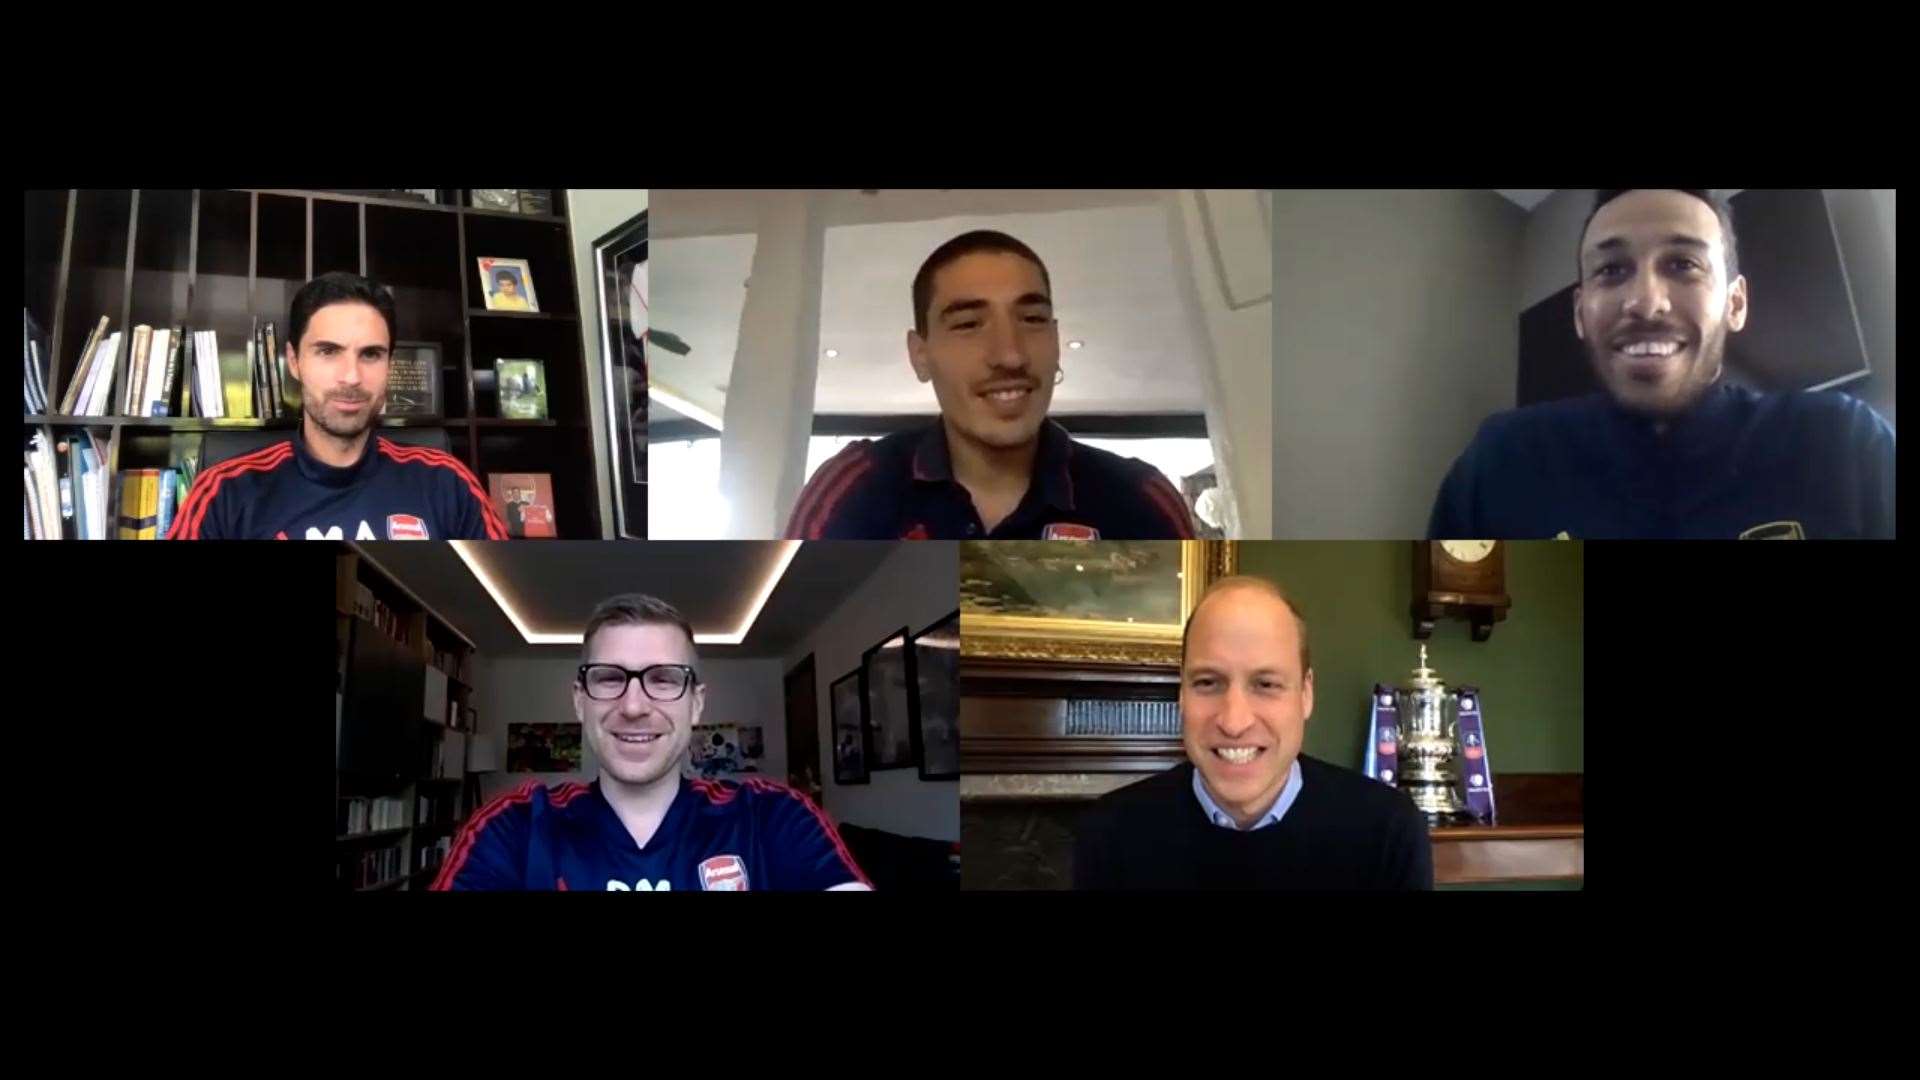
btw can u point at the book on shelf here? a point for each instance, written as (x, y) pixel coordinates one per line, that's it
(139, 504)
(379, 866)
(43, 481)
(77, 382)
(34, 354)
(136, 381)
(92, 384)
(360, 815)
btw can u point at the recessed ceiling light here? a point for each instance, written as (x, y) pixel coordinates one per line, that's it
(831, 353)
(1076, 344)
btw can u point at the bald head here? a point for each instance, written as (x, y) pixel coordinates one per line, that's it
(1246, 583)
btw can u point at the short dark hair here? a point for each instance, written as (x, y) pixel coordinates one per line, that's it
(503, 275)
(338, 287)
(1722, 209)
(1258, 584)
(965, 244)
(633, 609)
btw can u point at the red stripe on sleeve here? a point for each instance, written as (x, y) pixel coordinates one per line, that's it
(830, 502)
(1171, 504)
(207, 485)
(826, 823)
(805, 508)
(427, 455)
(463, 846)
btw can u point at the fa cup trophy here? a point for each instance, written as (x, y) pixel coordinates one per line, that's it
(1429, 746)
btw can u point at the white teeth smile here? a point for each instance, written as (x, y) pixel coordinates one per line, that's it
(635, 738)
(1006, 395)
(1239, 755)
(1650, 348)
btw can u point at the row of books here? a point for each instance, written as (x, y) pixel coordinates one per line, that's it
(375, 611)
(431, 856)
(376, 867)
(363, 815)
(171, 371)
(65, 497)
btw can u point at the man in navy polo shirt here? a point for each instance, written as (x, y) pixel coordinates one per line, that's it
(641, 827)
(993, 467)
(1668, 450)
(337, 478)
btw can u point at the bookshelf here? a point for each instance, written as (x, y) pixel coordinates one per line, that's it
(386, 749)
(218, 259)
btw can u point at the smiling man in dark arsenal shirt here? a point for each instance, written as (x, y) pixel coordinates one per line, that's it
(993, 467)
(641, 826)
(337, 478)
(1668, 449)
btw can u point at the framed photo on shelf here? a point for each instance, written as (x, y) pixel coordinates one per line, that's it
(891, 701)
(849, 730)
(525, 500)
(620, 265)
(507, 284)
(936, 720)
(522, 387)
(413, 379)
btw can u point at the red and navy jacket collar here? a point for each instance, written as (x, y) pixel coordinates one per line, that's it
(331, 475)
(1052, 463)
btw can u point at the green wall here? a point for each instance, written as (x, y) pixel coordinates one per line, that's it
(1355, 596)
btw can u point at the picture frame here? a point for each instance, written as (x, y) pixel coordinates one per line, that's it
(848, 729)
(620, 268)
(1100, 601)
(525, 502)
(507, 284)
(413, 380)
(890, 701)
(543, 748)
(936, 719)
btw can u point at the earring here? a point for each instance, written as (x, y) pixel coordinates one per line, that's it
(1059, 376)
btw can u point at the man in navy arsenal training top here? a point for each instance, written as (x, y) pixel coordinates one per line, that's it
(993, 467)
(336, 478)
(641, 827)
(1667, 450)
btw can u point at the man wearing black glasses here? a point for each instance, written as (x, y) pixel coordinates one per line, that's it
(641, 827)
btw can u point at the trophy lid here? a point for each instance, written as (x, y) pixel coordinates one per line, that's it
(1424, 677)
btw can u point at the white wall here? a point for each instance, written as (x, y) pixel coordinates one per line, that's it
(916, 585)
(1235, 345)
(536, 690)
(1395, 335)
(591, 214)
(1862, 223)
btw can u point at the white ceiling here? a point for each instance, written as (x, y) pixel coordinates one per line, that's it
(1524, 199)
(1108, 253)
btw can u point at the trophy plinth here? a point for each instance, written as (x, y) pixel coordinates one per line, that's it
(1429, 748)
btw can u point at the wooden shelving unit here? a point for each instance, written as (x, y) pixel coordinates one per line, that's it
(387, 746)
(216, 259)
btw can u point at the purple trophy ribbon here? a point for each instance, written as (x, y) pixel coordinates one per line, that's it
(1476, 770)
(1383, 738)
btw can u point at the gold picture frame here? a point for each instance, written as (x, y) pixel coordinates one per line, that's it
(1051, 639)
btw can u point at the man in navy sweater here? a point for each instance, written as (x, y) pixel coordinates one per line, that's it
(642, 827)
(1248, 810)
(1668, 451)
(336, 478)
